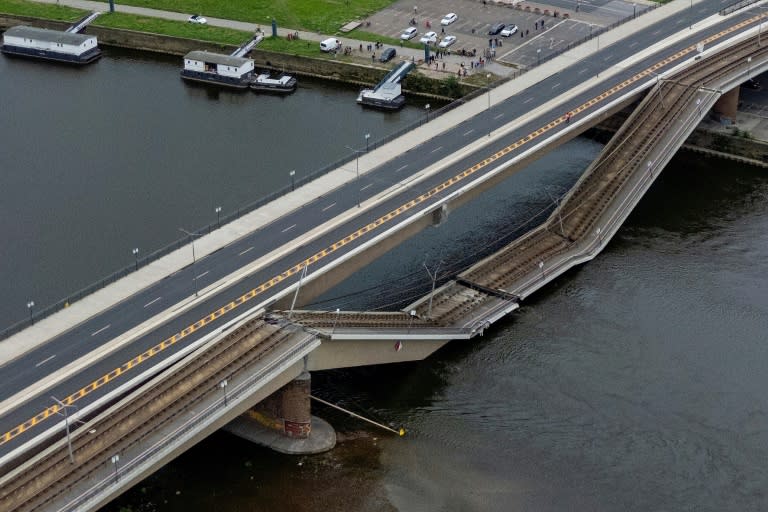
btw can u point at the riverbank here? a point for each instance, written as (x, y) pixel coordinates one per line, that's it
(334, 69)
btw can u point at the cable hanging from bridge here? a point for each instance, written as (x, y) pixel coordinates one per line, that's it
(400, 432)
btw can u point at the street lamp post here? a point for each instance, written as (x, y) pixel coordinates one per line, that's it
(65, 407)
(135, 252)
(410, 322)
(634, 10)
(218, 216)
(115, 460)
(426, 110)
(538, 56)
(336, 320)
(367, 136)
(223, 385)
(357, 172)
(30, 305)
(488, 86)
(541, 267)
(191, 235)
(293, 182)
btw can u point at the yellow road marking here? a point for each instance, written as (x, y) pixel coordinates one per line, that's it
(168, 342)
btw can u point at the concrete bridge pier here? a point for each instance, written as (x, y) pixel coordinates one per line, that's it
(726, 106)
(283, 421)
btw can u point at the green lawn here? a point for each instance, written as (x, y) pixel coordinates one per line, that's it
(322, 16)
(47, 11)
(172, 28)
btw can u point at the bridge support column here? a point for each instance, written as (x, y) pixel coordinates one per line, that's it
(725, 107)
(283, 421)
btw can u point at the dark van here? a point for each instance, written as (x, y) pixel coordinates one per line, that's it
(495, 29)
(387, 55)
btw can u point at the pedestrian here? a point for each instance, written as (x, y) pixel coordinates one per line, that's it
(442, 30)
(443, 65)
(415, 10)
(373, 57)
(568, 117)
(522, 34)
(526, 31)
(361, 47)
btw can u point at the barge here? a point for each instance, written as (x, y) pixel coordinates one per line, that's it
(52, 45)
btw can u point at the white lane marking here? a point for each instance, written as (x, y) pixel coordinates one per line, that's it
(582, 71)
(681, 20)
(41, 363)
(152, 302)
(102, 329)
(470, 131)
(633, 44)
(368, 185)
(498, 116)
(556, 85)
(329, 206)
(607, 58)
(528, 100)
(436, 149)
(401, 168)
(249, 249)
(656, 33)
(203, 274)
(285, 230)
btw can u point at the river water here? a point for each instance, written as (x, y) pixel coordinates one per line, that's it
(635, 382)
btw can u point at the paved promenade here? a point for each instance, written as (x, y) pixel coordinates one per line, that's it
(53, 325)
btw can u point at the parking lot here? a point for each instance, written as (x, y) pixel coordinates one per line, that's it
(540, 33)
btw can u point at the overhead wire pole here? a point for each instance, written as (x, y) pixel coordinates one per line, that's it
(434, 282)
(296, 295)
(191, 235)
(66, 423)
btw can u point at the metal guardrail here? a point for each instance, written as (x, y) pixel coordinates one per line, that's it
(248, 208)
(728, 9)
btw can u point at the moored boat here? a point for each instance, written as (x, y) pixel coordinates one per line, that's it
(282, 84)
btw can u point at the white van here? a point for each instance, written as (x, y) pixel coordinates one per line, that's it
(330, 45)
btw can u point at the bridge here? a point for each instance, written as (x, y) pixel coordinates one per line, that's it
(221, 320)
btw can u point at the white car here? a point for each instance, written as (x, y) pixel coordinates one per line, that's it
(196, 18)
(429, 38)
(509, 30)
(449, 18)
(409, 33)
(447, 41)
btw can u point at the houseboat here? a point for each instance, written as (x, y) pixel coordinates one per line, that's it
(282, 84)
(219, 69)
(41, 43)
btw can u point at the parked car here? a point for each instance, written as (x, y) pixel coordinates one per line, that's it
(449, 18)
(429, 38)
(509, 30)
(330, 45)
(409, 33)
(387, 55)
(196, 18)
(447, 41)
(495, 29)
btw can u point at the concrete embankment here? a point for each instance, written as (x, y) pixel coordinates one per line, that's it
(326, 69)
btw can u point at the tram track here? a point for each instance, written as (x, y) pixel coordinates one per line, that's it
(48, 475)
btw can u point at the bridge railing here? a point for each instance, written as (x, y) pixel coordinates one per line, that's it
(728, 9)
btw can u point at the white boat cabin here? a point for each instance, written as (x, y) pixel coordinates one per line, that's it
(49, 40)
(224, 65)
